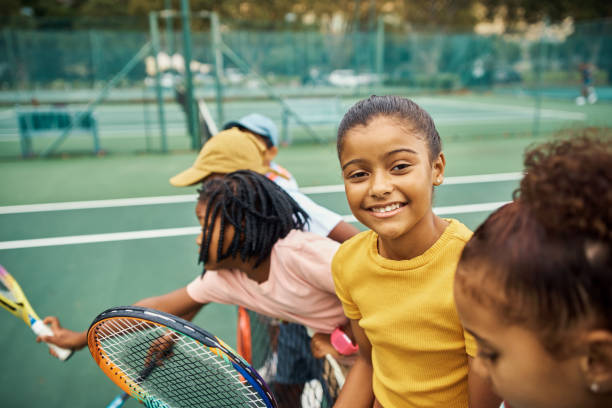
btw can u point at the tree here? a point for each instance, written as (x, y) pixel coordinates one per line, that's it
(530, 11)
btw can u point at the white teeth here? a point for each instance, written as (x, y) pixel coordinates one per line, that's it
(387, 208)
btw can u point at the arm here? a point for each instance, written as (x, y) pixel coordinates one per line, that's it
(178, 303)
(357, 390)
(342, 231)
(480, 393)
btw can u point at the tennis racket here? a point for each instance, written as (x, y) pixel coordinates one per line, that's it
(164, 362)
(13, 299)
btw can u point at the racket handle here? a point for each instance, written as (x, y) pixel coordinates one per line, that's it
(42, 329)
(336, 368)
(118, 401)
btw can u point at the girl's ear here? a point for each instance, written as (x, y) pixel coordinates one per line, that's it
(437, 169)
(596, 364)
(270, 154)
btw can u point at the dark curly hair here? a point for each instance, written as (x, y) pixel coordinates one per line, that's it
(544, 261)
(259, 210)
(404, 110)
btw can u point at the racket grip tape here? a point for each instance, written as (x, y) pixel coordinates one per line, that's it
(42, 329)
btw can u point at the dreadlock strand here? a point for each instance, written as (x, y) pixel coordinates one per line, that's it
(260, 212)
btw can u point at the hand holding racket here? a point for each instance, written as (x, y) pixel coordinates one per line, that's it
(197, 369)
(322, 347)
(14, 300)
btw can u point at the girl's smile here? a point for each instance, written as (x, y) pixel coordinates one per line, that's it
(388, 210)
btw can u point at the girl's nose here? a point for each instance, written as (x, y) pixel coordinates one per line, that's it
(199, 239)
(380, 185)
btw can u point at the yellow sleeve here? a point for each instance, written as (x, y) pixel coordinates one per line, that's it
(471, 347)
(350, 308)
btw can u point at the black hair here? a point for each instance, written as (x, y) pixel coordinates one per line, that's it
(267, 139)
(408, 114)
(260, 211)
(544, 261)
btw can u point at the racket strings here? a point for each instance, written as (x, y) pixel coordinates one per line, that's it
(282, 356)
(189, 375)
(6, 291)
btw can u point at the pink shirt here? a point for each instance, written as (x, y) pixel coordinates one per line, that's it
(299, 288)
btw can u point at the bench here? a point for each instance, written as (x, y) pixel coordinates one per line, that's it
(34, 122)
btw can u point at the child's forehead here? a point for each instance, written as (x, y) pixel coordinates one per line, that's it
(380, 127)
(383, 135)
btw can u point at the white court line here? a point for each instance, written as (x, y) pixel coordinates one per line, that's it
(80, 205)
(185, 198)
(547, 113)
(174, 232)
(86, 239)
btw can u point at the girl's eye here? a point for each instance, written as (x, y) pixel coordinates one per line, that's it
(490, 356)
(357, 175)
(401, 166)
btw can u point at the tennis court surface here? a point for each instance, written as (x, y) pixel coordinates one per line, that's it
(87, 233)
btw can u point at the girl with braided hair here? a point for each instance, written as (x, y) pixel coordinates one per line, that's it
(256, 254)
(534, 283)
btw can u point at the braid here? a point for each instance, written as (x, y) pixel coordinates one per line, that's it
(260, 212)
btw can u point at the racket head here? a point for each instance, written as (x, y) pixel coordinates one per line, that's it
(13, 299)
(197, 369)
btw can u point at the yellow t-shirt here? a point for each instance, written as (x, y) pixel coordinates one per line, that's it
(406, 308)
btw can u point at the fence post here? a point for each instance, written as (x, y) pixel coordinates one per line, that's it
(216, 46)
(158, 88)
(538, 80)
(10, 53)
(196, 143)
(169, 27)
(380, 49)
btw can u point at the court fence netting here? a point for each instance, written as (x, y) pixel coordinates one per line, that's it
(94, 85)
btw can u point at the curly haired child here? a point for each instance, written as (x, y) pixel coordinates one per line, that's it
(534, 284)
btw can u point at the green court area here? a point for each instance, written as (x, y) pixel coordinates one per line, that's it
(87, 233)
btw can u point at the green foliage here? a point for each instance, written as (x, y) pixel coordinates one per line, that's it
(554, 10)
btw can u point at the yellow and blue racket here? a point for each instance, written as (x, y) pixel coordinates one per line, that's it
(164, 362)
(14, 300)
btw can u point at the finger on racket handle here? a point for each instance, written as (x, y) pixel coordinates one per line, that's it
(336, 369)
(118, 401)
(14, 300)
(42, 329)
